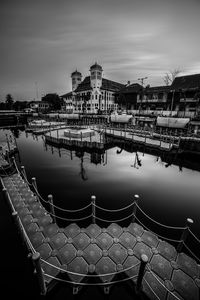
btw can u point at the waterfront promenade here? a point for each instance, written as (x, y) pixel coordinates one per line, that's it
(98, 255)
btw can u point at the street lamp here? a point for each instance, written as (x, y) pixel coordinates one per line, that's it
(142, 83)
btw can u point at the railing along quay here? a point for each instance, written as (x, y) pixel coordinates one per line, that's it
(115, 254)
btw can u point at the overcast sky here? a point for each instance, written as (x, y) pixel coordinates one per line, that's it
(43, 41)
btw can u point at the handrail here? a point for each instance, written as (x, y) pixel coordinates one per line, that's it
(90, 283)
(158, 223)
(70, 220)
(89, 275)
(113, 221)
(197, 239)
(191, 252)
(57, 207)
(159, 235)
(114, 210)
(156, 277)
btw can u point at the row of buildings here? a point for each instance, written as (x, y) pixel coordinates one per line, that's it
(96, 95)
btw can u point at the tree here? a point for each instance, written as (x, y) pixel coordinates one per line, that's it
(53, 99)
(9, 101)
(169, 77)
(20, 105)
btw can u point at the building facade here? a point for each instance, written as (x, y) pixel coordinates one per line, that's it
(182, 98)
(93, 95)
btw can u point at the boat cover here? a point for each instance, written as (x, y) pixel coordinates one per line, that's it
(172, 122)
(121, 118)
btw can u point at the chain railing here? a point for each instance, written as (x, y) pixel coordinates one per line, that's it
(181, 242)
(162, 284)
(95, 217)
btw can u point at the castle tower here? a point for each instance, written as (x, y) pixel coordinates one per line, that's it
(96, 76)
(76, 79)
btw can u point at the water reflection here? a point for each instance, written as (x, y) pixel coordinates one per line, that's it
(167, 182)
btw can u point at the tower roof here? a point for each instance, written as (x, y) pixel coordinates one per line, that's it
(76, 73)
(96, 66)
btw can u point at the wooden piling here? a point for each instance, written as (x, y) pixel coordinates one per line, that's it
(39, 272)
(184, 235)
(93, 200)
(143, 262)
(136, 199)
(51, 206)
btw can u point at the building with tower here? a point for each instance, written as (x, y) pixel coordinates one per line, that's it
(76, 79)
(93, 95)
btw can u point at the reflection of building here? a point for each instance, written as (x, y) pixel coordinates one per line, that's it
(96, 158)
(94, 94)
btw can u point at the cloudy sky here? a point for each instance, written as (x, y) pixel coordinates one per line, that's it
(43, 41)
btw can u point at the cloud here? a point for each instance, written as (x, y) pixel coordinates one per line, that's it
(45, 41)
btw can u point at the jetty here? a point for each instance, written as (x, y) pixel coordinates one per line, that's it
(80, 136)
(104, 253)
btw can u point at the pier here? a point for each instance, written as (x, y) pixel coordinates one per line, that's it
(104, 253)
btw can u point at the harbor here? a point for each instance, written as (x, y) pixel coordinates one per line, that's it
(95, 248)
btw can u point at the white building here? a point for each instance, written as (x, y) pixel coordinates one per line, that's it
(92, 95)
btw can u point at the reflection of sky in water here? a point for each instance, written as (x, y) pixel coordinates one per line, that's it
(166, 193)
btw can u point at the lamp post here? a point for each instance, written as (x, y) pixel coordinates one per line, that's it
(142, 83)
(172, 103)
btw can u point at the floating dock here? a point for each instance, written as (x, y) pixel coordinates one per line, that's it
(96, 255)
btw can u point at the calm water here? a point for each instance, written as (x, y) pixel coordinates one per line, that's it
(168, 193)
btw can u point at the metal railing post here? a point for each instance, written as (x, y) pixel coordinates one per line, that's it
(23, 171)
(14, 163)
(51, 206)
(33, 179)
(8, 200)
(19, 228)
(93, 200)
(136, 199)
(8, 143)
(184, 235)
(144, 260)
(39, 272)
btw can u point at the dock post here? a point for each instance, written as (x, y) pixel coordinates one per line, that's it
(8, 143)
(136, 199)
(184, 235)
(33, 179)
(57, 134)
(23, 172)
(144, 261)
(52, 211)
(15, 164)
(93, 200)
(7, 199)
(39, 272)
(19, 228)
